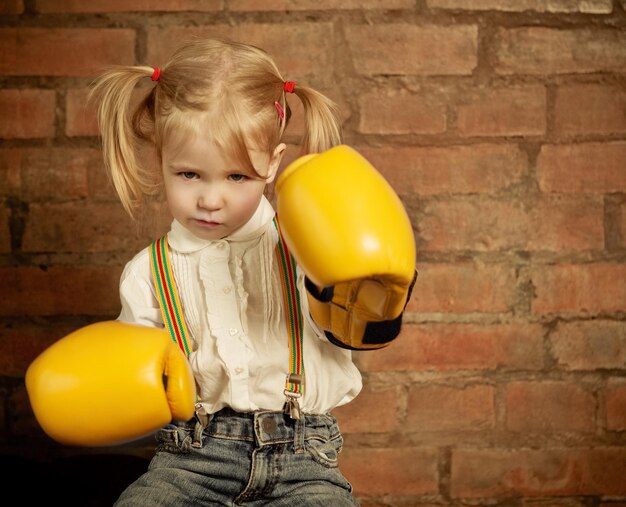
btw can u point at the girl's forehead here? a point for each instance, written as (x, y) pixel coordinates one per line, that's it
(199, 150)
(193, 149)
(237, 141)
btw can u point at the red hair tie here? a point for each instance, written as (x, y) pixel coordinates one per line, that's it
(156, 74)
(289, 86)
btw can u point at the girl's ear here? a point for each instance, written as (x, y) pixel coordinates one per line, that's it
(275, 160)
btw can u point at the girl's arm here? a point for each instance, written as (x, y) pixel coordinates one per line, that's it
(137, 294)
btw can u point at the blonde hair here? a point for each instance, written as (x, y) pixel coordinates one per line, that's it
(221, 89)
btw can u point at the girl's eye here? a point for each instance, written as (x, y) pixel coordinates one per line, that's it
(188, 175)
(238, 177)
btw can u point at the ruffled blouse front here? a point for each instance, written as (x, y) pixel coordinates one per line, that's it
(231, 294)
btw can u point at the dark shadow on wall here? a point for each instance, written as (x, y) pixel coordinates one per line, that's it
(71, 481)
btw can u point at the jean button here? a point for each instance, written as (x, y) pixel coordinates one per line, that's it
(269, 425)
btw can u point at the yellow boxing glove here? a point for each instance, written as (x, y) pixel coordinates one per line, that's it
(352, 237)
(109, 383)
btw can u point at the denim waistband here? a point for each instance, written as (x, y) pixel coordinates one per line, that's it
(267, 427)
(262, 427)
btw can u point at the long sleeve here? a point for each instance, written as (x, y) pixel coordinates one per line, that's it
(137, 295)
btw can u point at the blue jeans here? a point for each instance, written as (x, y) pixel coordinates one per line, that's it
(251, 459)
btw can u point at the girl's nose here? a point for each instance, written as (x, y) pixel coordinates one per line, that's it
(210, 199)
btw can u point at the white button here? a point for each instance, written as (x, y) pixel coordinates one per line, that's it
(221, 245)
(232, 331)
(239, 370)
(227, 289)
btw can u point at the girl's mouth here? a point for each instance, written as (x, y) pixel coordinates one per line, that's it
(209, 224)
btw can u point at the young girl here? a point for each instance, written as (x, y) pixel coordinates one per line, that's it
(215, 116)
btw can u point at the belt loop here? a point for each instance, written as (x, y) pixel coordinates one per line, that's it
(202, 421)
(197, 435)
(298, 437)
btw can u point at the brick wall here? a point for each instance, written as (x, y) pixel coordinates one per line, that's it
(502, 125)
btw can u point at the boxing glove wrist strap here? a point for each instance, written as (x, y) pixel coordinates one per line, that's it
(173, 317)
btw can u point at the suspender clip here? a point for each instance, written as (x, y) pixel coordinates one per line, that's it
(295, 383)
(292, 405)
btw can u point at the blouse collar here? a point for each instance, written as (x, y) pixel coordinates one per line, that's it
(182, 240)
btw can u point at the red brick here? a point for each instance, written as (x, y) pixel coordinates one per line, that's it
(553, 502)
(540, 50)
(316, 5)
(397, 471)
(549, 407)
(583, 109)
(443, 408)
(100, 185)
(479, 168)
(478, 473)
(503, 112)
(406, 49)
(39, 51)
(52, 172)
(21, 344)
(473, 223)
(27, 113)
(567, 223)
(80, 227)
(588, 167)
(448, 347)
(616, 404)
(80, 112)
(586, 6)
(10, 172)
(128, 5)
(589, 345)
(80, 115)
(12, 7)
(373, 411)
(398, 112)
(463, 287)
(623, 224)
(288, 44)
(61, 290)
(5, 233)
(579, 288)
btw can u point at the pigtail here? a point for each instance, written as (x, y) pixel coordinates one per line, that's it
(321, 119)
(121, 132)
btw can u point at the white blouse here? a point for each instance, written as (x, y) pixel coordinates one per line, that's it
(231, 294)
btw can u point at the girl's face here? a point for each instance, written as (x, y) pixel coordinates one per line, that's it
(207, 194)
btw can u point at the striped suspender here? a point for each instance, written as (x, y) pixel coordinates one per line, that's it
(174, 320)
(294, 386)
(165, 284)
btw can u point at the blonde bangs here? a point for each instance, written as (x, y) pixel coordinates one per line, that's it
(230, 128)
